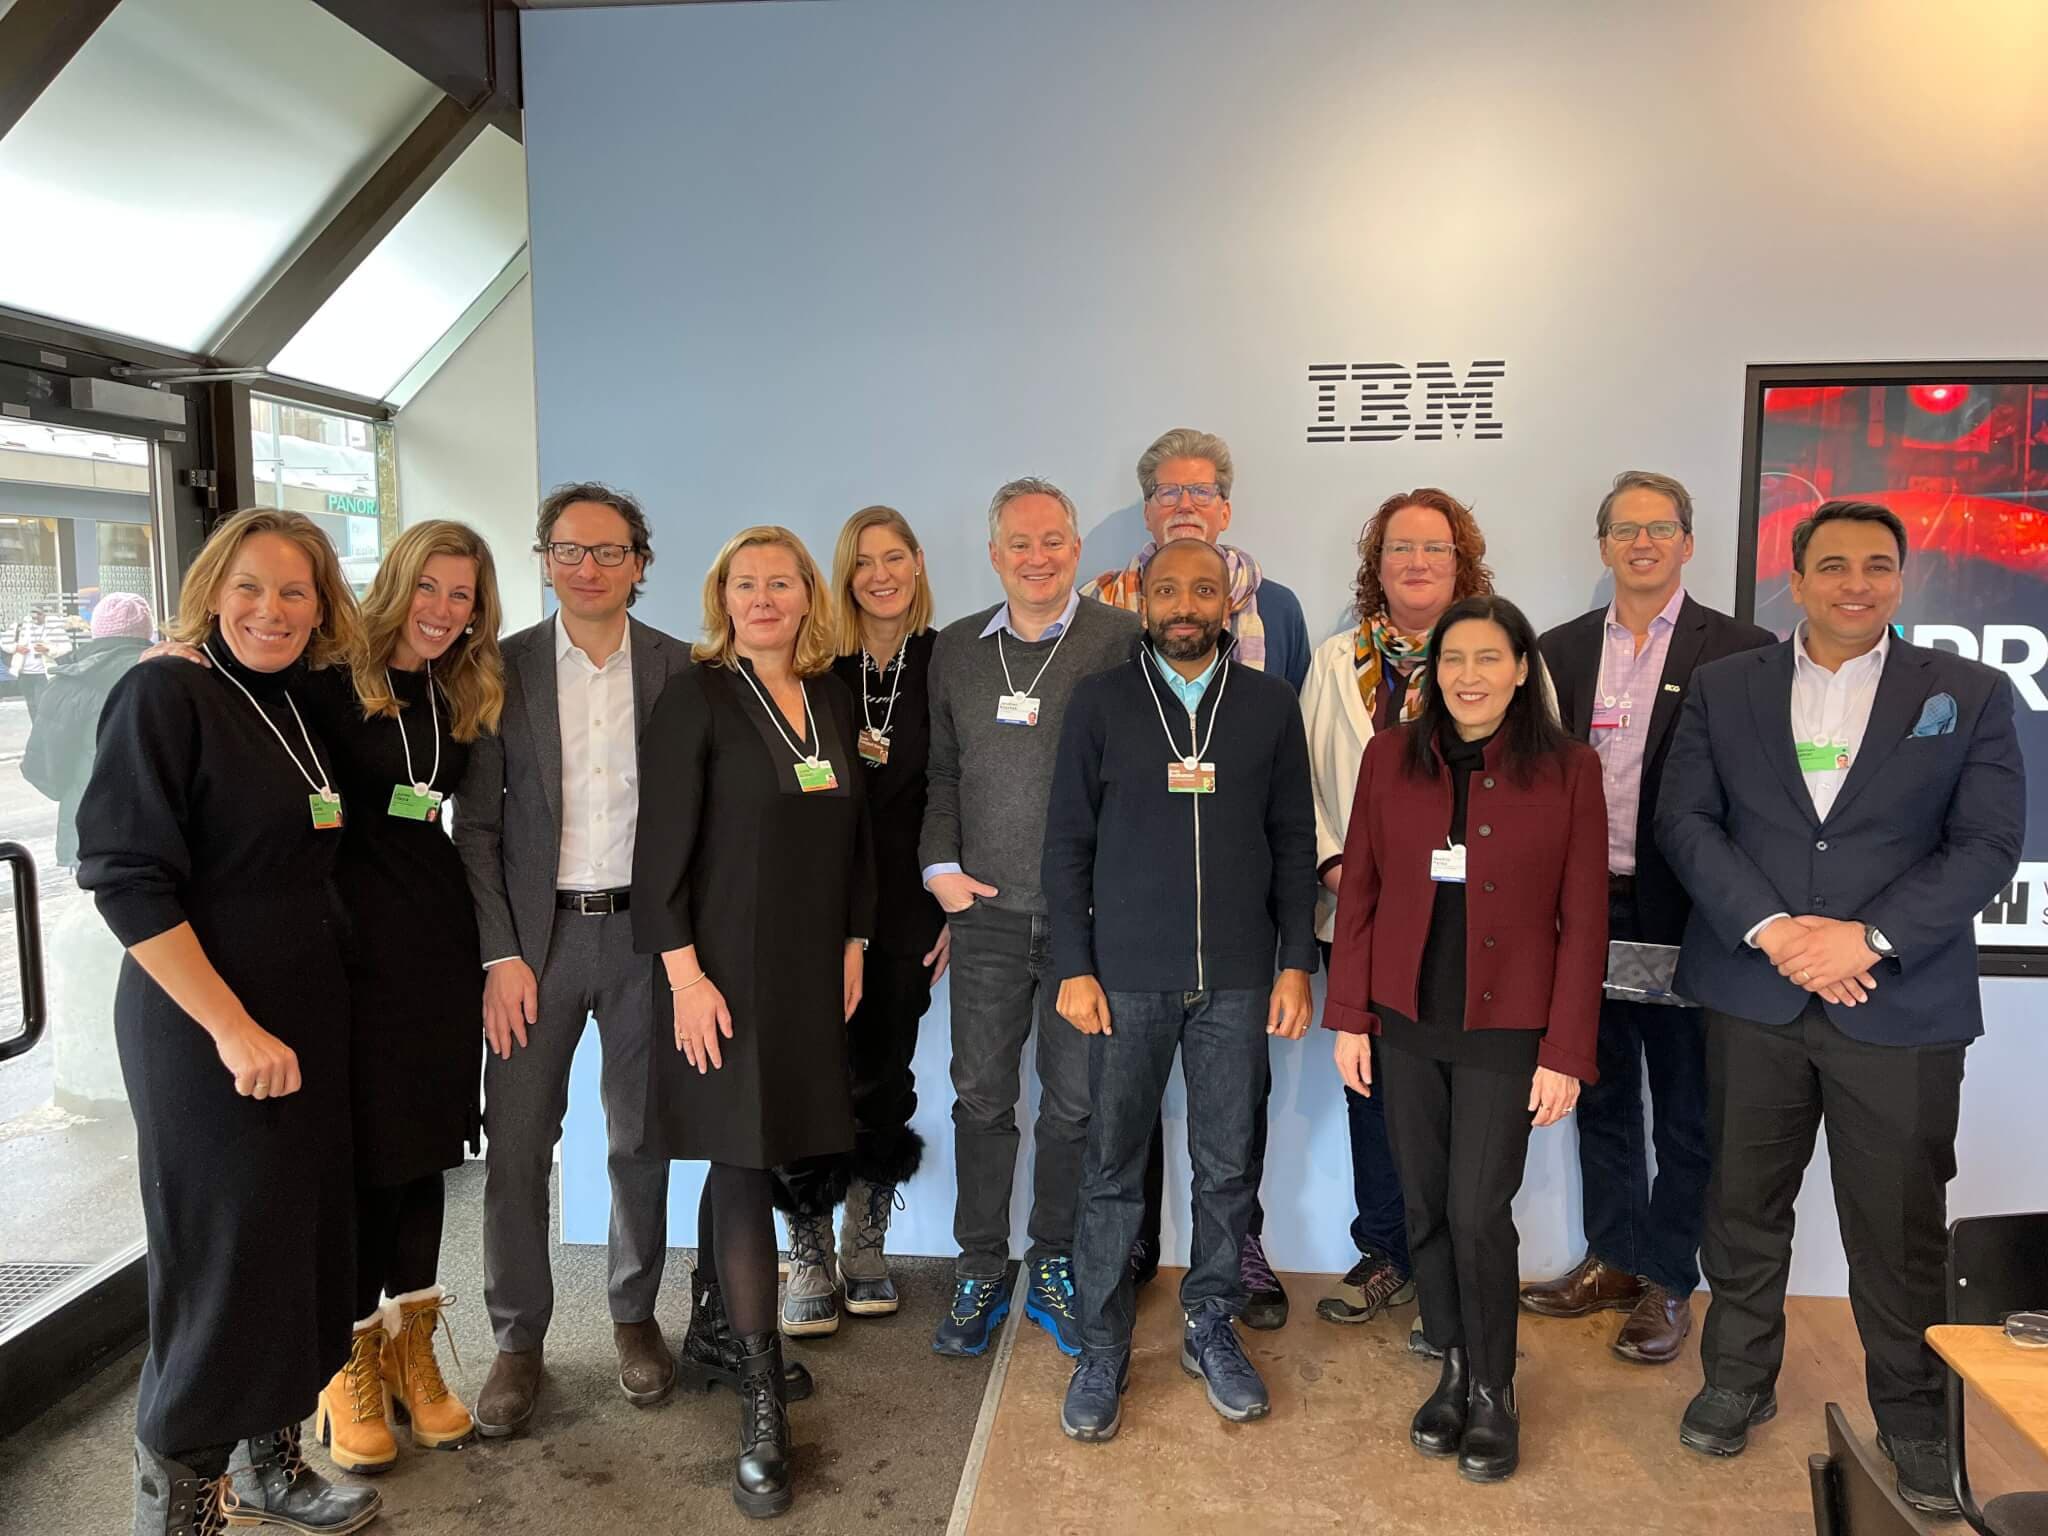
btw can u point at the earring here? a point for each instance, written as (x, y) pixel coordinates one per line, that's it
(469, 629)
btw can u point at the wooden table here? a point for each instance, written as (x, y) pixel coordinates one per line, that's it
(2011, 1379)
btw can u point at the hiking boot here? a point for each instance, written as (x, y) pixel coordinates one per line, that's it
(969, 1326)
(810, 1299)
(420, 1395)
(863, 1270)
(1211, 1349)
(1368, 1288)
(351, 1417)
(1050, 1302)
(1094, 1406)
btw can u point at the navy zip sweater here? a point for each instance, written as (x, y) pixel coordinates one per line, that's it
(1131, 901)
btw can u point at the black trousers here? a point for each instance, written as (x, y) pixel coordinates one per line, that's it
(398, 1239)
(1890, 1113)
(1460, 1137)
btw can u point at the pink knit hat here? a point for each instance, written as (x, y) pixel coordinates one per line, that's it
(121, 613)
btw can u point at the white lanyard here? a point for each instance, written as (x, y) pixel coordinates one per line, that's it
(1603, 698)
(1201, 752)
(775, 718)
(320, 784)
(1032, 691)
(889, 714)
(435, 710)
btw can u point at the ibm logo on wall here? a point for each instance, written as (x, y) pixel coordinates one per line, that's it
(1385, 402)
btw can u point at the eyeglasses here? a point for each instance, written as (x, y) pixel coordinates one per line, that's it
(603, 554)
(1663, 531)
(1433, 553)
(1197, 495)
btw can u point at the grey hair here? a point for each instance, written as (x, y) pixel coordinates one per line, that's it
(1645, 480)
(1186, 443)
(1031, 485)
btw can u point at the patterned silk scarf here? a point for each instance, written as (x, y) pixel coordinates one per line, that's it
(1121, 589)
(1378, 645)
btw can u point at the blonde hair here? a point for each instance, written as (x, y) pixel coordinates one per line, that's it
(814, 653)
(340, 630)
(470, 672)
(846, 612)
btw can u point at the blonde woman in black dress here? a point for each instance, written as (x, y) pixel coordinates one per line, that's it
(753, 882)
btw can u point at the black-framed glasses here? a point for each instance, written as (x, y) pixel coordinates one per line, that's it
(565, 553)
(1205, 495)
(1664, 530)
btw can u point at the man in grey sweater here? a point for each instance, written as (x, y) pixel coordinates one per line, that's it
(1000, 681)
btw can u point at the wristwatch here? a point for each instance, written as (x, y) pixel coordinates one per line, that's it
(1882, 946)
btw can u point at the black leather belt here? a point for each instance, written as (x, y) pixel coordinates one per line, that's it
(594, 903)
(1621, 885)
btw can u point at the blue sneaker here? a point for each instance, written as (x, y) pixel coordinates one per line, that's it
(1094, 1404)
(979, 1307)
(1210, 1349)
(1050, 1303)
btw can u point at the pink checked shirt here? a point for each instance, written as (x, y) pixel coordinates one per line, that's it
(1627, 676)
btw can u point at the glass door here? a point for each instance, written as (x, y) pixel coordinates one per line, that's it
(81, 585)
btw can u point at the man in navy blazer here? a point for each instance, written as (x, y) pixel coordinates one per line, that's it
(1840, 807)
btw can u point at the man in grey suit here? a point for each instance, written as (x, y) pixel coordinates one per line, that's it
(545, 820)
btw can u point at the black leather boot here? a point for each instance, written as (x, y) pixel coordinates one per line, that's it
(272, 1485)
(1439, 1427)
(711, 1352)
(760, 1477)
(1492, 1447)
(171, 1499)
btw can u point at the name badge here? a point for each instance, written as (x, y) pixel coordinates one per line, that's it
(326, 810)
(814, 776)
(874, 748)
(1016, 709)
(410, 803)
(1448, 864)
(1188, 777)
(1822, 756)
(1608, 718)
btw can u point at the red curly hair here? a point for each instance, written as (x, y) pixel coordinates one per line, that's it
(1473, 580)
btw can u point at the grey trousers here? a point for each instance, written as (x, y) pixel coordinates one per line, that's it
(591, 969)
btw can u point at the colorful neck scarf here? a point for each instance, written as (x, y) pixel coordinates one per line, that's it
(1121, 589)
(1377, 646)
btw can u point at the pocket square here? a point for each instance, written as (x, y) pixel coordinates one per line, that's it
(1937, 716)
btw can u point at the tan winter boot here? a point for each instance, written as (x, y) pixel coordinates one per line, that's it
(351, 1420)
(413, 1376)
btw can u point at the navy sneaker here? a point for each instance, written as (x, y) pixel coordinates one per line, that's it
(979, 1307)
(1094, 1404)
(1050, 1303)
(1210, 1349)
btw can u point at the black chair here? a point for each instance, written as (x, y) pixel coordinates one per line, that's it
(1997, 1265)
(1854, 1489)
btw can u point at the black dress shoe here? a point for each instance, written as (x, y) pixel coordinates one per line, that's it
(1923, 1473)
(1439, 1426)
(1717, 1422)
(1492, 1447)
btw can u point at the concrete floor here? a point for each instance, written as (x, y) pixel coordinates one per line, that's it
(880, 1448)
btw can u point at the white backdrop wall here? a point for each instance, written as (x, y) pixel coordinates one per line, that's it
(792, 259)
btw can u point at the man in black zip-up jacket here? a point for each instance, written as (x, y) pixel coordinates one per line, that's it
(1179, 858)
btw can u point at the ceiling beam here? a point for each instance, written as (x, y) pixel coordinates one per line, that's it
(37, 39)
(295, 295)
(469, 49)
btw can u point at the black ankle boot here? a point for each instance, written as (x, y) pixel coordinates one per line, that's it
(273, 1485)
(760, 1477)
(172, 1499)
(711, 1352)
(1492, 1447)
(1439, 1426)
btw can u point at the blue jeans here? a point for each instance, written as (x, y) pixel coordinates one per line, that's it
(1381, 1225)
(1221, 1037)
(1647, 1229)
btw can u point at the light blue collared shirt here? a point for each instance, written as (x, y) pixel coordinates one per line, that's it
(1189, 692)
(1001, 620)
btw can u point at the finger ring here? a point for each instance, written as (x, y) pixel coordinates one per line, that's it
(1805, 975)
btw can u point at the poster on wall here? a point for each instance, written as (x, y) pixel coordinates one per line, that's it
(1960, 453)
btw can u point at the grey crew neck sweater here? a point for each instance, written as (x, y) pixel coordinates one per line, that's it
(989, 782)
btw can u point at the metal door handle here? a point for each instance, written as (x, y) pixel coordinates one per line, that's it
(28, 941)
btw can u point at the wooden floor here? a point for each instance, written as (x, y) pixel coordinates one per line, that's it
(1600, 1451)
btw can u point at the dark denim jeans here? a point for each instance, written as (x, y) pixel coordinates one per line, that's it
(1221, 1037)
(1381, 1223)
(1647, 1229)
(1001, 987)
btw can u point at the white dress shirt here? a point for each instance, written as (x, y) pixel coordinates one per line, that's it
(1833, 708)
(600, 766)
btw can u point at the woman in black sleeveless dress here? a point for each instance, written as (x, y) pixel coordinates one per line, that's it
(753, 881)
(208, 836)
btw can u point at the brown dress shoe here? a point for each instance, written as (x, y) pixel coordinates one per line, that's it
(506, 1402)
(647, 1367)
(1656, 1328)
(1593, 1286)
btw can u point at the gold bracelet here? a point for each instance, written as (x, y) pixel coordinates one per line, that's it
(689, 984)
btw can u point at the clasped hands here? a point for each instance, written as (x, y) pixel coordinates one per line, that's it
(1083, 1004)
(1828, 956)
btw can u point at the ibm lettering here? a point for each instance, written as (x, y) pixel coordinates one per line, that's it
(1375, 402)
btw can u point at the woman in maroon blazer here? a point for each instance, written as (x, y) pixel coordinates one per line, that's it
(1472, 940)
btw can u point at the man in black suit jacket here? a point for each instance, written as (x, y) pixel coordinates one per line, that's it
(1621, 673)
(1841, 806)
